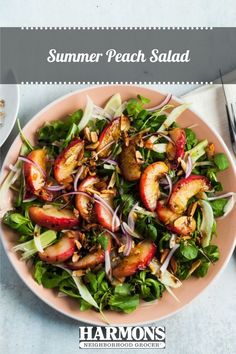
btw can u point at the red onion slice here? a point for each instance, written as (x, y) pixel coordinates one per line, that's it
(28, 200)
(169, 180)
(189, 167)
(108, 270)
(226, 195)
(73, 193)
(168, 258)
(127, 230)
(55, 188)
(77, 176)
(31, 162)
(102, 202)
(162, 104)
(128, 245)
(114, 236)
(131, 221)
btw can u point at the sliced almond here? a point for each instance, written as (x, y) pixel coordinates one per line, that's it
(139, 157)
(124, 123)
(79, 273)
(94, 137)
(194, 266)
(112, 181)
(164, 255)
(92, 191)
(192, 208)
(75, 257)
(92, 146)
(210, 150)
(87, 134)
(108, 191)
(78, 244)
(173, 264)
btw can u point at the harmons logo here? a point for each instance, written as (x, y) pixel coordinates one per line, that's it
(122, 337)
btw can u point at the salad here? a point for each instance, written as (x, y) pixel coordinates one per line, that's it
(118, 204)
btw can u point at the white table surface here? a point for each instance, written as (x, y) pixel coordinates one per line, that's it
(28, 326)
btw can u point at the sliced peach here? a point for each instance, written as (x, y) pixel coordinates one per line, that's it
(104, 216)
(182, 225)
(52, 218)
(139, 258)
(185, 189)
(82, 202)
(111, 133)
(91, 260)
(149, 185)
(128, 163)
(67, 161)
(176, 150)
(59, 252)
(35, 178)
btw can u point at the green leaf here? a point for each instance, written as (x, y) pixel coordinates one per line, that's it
(126, 304)
(122, 289)
(212, 252)
(188, 250)
(221, 161)
(103, 240)
(218, 206)
(202, 270)
(191, 139)
(39, 270)
(19, 223)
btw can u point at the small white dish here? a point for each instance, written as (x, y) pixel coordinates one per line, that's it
(10, 95)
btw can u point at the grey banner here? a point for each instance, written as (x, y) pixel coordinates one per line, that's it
(182, 55)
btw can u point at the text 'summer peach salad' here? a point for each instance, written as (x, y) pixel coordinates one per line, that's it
(117, 204)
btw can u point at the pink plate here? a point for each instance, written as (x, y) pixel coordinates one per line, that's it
(191, 288)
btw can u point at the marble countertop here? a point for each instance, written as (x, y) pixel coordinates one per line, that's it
(28, 326)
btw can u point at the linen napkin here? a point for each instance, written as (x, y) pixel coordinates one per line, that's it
(209, 102)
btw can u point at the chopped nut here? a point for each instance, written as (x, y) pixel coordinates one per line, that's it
(148, 144)
(87, 134)
(92, 173)
(84, 173)
(75, 257)
(2, 103)
(92, 146)
(192, 208)
(93, 191)
(100, 185)
(139, 157)
(108, 191)
(173, 264)
(164, 255)
(210, 150)
(79, 273)
(124, 123)
(194, 266)
(78, 244)
(121, 249)
(94, 137)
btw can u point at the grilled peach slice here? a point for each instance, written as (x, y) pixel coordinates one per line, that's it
(104, 216)
(128, 163)
(139, 258)
(59, 252)
(82, 202)
(52, 218)
(185, 189)
(174, 151)
(149, 186)
(67, 161)
(182, 225)
(111, 133)
(34, 178)
(92, 259)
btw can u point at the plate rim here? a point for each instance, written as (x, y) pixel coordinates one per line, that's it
(215, 277)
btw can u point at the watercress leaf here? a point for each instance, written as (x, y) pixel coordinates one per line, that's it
(212, 252)
(18, 222)
(202, 270)
(191, 139)
(39, 270)
(122, 289)
(84, 305)
(188, 250)
(91, 278)
(103, 240)
(218, 206)
(126, 304)
(221, 161)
